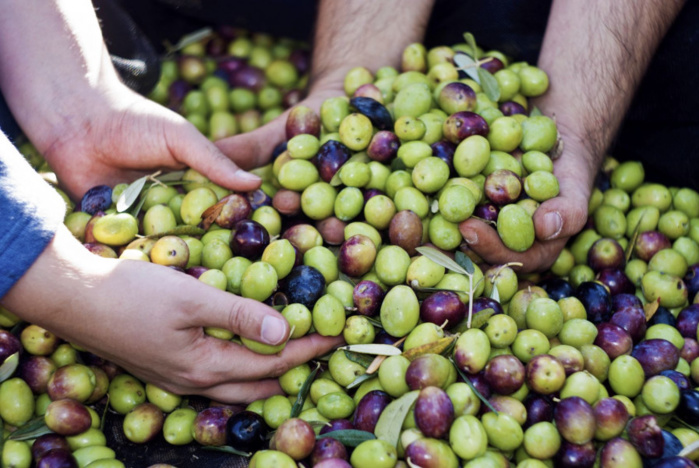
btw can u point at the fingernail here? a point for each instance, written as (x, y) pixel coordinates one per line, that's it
(246, 176)
(553, 223)
(470, 237)
(273, 330)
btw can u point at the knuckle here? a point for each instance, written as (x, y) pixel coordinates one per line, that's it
(239, 320)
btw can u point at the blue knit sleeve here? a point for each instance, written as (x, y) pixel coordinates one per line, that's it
(30, 213)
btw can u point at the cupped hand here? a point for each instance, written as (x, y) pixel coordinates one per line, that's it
(125, 136)
(555, 220)
(149, 319)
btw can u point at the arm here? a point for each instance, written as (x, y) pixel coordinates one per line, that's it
(144, 317)
(348, 34)
(595, 54)
(59, 82)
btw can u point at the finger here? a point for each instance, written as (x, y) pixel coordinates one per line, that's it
(194, 150)
(243, 392)
(244, 317)
(485, 241)
(561, 217)
(255, 148)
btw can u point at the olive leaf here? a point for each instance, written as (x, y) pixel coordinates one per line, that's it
(208, 217)
(464, 261)
(31, 430)
(360, 380)
(346, 279)
(468, 65)
(139, 205)
(435, 347)
(441, 259)
(494, 293)
(535, 112)
(423, 289)
(303, 392)
(174, 176)
(651, 308)
(374, 349)
(9, 366)
(349, 437)
(227, 449)
(189, 39)
(489, 84)
(375, 322)
(478, 320)
(130, 194)
(471, 41)
(687, 451)
(179, 231)
(103, 420)
(390, 423)
(363, 360)
(473, 388)
(634, 238)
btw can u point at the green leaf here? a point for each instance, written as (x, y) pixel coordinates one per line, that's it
(31, 430)
(360, 380)
(175, 176)
(634, 238)
(390, 423)
(349, 437)
(495, 294)
(346, 279)
(441, 259)
(193, 231)
(373, 349)
(364, 360)
(435, 347)
(227, 449)
(190, 39)
(464, 261)
(103, 420)
(303, 393)
(474, 389)
(468, 65)
(471, 41)
(479, 319)
(130, 195)
(9, 366)
(375, 322)
(489, 84)
(422, 289)
(139, 205)
(535, 112)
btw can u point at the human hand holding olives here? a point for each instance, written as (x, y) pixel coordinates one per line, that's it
(149, 319)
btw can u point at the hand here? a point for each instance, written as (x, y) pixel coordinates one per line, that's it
(254, 149)
(126, 136)
(148, 319)
(555, 221)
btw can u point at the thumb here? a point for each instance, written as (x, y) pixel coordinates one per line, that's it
(560, 217)
(194, 150)
(245, 317)
(255, 148)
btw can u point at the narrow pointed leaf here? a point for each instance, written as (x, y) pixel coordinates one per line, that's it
(130, 195)
(535, 112)
(471, 41)
(489, 84)
(360, 380)
(651, 308)
(375, 322)
(180, 231)
(346, 279)
(174, 176)
(468, 65)
(477, 321)
(363, 360)
(31, 430)
(464, 261)
(9, 366)
(435, 347)
(227, 449)
(374, 349)
(390, 423)
(303, 393)
(495, 293)
(191, 38)
(103, 420)
(474, 389)
(139, 205)
(634, 239)
(441, 259)
(349, 437)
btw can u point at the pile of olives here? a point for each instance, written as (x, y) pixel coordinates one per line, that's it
(450, 362)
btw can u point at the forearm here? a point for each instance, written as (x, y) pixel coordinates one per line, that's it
(52, 63)
(355, 33)
(596, 54)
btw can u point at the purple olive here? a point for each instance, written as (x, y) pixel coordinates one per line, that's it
(196, 271)
(246, 431)
(505, 374)
(328, 448)
(209, 426)
(383, 146)
(656, 355)
(482, 303)
(248, 77)
(688, 321)
(368, 297)
(434, 412)
(646, 436)
(332, 463)
(47, 442)
(539, 408)
(633, 320)
(616, 281)
(605, 253)
(258, 198)
(67, 417)
(442, 307)
(301, 59)
(57, 458)
(650, 242)
(576, 455)
(295, 437)
(405, 231)
(292, 97)
(9, 345)
(302, 119)
(596, 300)
(691, 280)
(493, 65)
(487, 212)
(624, 300)
(98, 198)
(249, 239)
(235, 208)
(511, 108)
(690, 350)
(370, 407)
(575, 420)
(613, 339)
(611, 417)
(462, 125)
(36, 372)
(330, 157)
(356, 256)
(456, 97)
(337, 425)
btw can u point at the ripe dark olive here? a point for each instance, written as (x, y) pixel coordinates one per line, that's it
(605, 253)
(633, 320)
(649, 243)
(258, 198)
(646, 436)
(487, 212)
(98, 198)
(367, 297)
(370, 407)
(235, 208)
(445, 151)
(441, 307)
(505, 374)
(656, 355)
(374, 111)
(304, 285)
(462, 125)
(576, 456)
(596, 300)
(539, 408)
(688, 321)
(662, 315)
(246, 431)
(331, 156)
(616, 280)
(249, 239)
(613, 339)
(9, 345)
(47, 442)
(671, 449)
(328, 448)
(483, 303)
(688, 409)
(691, 280)
(57, 458)
(624, 300)
(337, 425)
(512, 108)
(557, 288)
